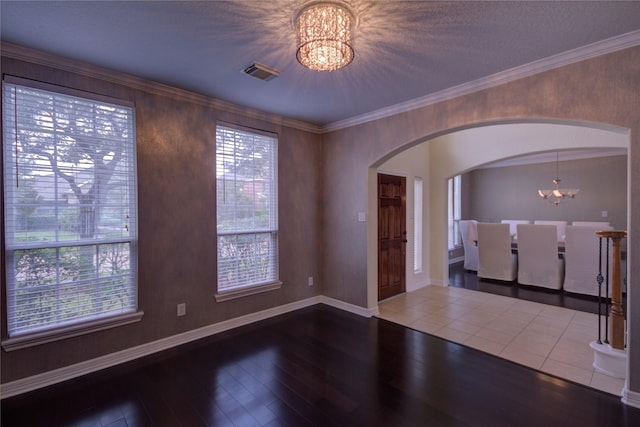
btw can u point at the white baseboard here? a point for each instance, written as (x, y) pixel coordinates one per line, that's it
(355, 309)
(631, 398)
(416, 287)
(609, 361)
(55, 376)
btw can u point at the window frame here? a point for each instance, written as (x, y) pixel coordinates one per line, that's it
(81, 323)
(454, 211)
(273, 282)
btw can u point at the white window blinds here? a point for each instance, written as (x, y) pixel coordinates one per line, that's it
(247, 223)
(70, 208)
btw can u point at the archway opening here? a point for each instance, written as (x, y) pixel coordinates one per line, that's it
(435, 158)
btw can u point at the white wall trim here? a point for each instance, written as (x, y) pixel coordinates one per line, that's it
(355, 309)
(457, 259)
(439, 282)
(593, 50)
(564, 156)
(247, 291)
(55, 376)
(417, 286)
(631, 398)
(43, 337)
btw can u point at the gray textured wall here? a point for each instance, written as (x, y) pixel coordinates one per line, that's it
(177, 224)
(599, 90)
(493, 194)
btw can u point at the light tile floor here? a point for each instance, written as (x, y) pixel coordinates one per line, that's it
(551, 339)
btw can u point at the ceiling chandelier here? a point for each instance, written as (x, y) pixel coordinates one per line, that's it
(325, 32)
(556, 195)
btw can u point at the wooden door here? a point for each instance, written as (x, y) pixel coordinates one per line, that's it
(392, 235)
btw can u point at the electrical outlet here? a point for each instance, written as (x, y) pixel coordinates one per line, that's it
(182, 309)
(310, 280)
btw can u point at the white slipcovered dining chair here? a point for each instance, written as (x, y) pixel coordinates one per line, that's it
(601, 225)
(495, 259)
(469, 236)
(560, 226)
(581, 254)
(513, 225)
(538, 260)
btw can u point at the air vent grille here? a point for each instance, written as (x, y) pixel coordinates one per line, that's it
(261, 71)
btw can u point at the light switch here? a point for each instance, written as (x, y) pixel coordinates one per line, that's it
(362, 216)
(605, 214)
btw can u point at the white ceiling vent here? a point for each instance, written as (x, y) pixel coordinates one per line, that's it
(261, 71)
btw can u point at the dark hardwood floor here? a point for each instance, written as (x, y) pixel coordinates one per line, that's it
(318, 366)
(461, 278)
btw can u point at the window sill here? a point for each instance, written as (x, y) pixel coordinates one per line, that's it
(251, 290)
(37, 338)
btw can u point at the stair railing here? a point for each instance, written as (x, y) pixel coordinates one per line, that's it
(610, 298)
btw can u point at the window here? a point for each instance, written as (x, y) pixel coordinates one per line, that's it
(70, 210)
(417, 224)
(247, 221)
(455, 210)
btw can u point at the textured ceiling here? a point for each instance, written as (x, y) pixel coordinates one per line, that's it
(404, 49)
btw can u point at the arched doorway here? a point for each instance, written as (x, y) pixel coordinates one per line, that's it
(435, 158)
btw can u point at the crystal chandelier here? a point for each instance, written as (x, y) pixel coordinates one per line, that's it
(556, 195)
(324, 36)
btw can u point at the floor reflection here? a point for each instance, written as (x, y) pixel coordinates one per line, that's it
(461, 278)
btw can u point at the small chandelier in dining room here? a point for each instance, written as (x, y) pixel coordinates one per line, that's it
(557, 194)
(325, 36)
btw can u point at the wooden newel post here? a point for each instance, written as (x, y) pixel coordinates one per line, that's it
(617, 315)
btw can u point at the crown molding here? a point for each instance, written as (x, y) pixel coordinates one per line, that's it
(46, 59)
(550, 157)
(593, 50)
